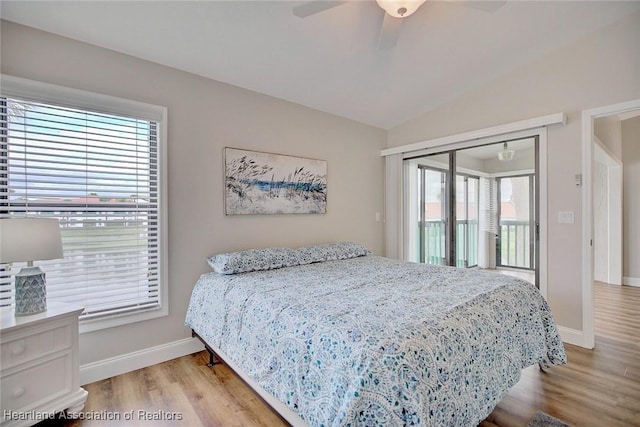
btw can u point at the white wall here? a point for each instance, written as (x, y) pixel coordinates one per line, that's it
(464, 160)
(631, 200)
(204, 117)
(609, 131)
(600, 69)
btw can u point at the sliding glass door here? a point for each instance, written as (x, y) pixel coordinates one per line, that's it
(515, 245)
(433, 194)
(474, 207)
(447, 232)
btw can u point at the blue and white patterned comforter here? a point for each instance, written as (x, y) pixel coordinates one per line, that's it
(375, 341)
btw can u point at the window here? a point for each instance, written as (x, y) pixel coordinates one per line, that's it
(95, 164)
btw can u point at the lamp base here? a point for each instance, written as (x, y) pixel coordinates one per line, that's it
(31, 293)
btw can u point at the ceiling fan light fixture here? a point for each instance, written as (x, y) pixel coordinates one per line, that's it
(400, 8)
(506, 155)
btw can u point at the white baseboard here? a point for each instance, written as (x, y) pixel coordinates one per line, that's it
(117, 365)
(572, 336)
(631, 281)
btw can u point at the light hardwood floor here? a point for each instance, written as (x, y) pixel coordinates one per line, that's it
(599, 387)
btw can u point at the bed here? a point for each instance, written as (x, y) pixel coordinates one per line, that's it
(331, 335)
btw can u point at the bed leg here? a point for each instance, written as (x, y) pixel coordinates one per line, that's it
(212, 355)
(212, 358)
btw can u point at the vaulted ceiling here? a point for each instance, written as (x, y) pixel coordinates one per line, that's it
(330, 61)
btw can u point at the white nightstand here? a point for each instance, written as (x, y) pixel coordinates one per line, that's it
(40, 365)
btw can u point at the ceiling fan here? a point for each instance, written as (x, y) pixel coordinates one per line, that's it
(395, 11)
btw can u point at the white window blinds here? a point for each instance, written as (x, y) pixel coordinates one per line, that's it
(98, 174)
(488, 205)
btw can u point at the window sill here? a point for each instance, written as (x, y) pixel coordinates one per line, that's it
(91, 325)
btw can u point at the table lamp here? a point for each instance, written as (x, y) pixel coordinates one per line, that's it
(30, 239)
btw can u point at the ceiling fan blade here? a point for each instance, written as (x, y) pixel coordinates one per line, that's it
(315, 6)
(486, 6)
(389, 32)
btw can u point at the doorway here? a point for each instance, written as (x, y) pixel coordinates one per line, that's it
(475, 207)
(622, 111)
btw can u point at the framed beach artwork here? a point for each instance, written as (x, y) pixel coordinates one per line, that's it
(266, 183)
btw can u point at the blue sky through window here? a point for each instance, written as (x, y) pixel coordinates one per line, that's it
(57, 152)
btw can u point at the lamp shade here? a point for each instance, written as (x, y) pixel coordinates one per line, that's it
(506, 155)
(400, 8)
(29, 239)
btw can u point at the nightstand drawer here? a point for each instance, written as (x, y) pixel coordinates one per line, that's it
(23, 349)
(39, 358)
(24, 389)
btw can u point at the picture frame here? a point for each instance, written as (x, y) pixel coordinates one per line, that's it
(259, 183)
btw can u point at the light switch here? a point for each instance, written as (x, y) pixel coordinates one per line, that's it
(578, 179)
(566, 217)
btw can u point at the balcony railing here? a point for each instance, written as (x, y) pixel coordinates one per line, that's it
(434, 248)
(514, 244)
(435, 244)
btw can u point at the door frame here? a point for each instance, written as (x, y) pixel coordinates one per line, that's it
(448, 209)
(588, 141)
(443, 209)
(534, 221)
(466, 177)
